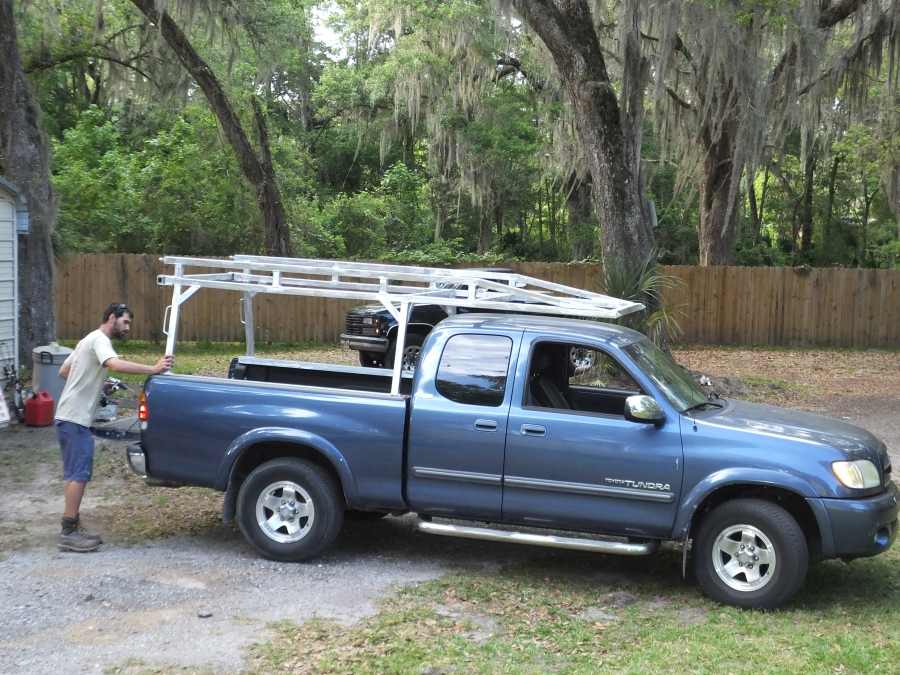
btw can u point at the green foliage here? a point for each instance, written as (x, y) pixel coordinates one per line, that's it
(647, 284)
(406, 141)
(179, 191)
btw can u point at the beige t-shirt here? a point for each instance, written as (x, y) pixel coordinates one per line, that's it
(79, 398)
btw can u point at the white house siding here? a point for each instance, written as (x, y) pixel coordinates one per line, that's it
(7, 279)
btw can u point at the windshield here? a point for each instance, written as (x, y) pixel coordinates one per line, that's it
(673, 380)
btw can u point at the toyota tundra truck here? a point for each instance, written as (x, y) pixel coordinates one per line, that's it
(500, 435)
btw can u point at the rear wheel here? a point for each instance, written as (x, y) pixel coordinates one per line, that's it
(290, 509)
(411, 352)
(750, 553)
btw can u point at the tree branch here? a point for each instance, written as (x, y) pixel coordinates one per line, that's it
(836, 13)
(852, 54)
(680, 101)
(37, 66)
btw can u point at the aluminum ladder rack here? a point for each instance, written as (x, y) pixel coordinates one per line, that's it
(397, 287)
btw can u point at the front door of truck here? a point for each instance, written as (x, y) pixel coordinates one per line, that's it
(457, 431)
(572, 459)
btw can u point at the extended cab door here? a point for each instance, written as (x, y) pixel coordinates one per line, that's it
(572, 459)
(457, 432)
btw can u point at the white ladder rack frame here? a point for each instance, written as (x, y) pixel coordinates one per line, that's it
(397, 287)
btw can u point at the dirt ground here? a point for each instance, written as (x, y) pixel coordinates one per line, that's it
(175, 590)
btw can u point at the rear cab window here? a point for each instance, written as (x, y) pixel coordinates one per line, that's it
(473, 369)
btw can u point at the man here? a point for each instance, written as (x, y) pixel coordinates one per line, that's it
(85, 371)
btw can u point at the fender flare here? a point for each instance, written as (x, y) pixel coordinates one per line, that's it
(740, 476)
(288, 436)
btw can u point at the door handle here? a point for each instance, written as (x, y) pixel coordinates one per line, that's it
(486, 425)
(533, 430)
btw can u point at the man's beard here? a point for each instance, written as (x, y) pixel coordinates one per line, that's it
(119, 335)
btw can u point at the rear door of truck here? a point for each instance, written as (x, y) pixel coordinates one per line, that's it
(457, 432)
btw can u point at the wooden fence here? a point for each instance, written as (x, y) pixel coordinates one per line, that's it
(717, 305)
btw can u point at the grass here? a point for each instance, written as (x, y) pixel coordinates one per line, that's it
(570, 616)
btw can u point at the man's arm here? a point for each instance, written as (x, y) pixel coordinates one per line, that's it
(66, 367)
(122, 366)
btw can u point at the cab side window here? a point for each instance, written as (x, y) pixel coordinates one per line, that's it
(473, 369)
(579, 378)
(593, 368)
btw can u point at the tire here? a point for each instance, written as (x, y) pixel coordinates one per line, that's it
(411, 351)
(270, 491)
(766, 531)
(371, 359)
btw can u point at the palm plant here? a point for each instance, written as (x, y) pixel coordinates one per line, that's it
(646, 284)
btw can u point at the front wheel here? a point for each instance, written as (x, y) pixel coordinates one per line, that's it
(290, 509)
(411, 352)
(371, 359)
(750, 553)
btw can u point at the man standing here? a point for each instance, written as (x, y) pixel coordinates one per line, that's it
(84, 371)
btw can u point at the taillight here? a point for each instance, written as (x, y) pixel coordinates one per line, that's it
(143, 410)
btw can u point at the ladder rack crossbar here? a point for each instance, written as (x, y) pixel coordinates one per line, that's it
(486, 301)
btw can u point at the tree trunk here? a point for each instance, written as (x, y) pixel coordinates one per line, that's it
(717, 234)
(864, 221)
(581, 220)
(484, 232)
(257, 170)
(755, 221)
(806, 214)
(828, 225)
(566, 28)
(25, 161)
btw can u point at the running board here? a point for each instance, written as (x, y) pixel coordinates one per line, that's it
(552, 541)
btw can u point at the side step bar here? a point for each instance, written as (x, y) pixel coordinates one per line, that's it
(553, 541)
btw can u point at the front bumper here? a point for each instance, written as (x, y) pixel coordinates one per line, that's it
(863, 527)
(365, 343)
(137, 460)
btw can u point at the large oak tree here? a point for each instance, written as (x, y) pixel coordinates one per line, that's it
(24, 160)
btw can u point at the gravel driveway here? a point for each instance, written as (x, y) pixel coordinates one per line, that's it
(198, 601)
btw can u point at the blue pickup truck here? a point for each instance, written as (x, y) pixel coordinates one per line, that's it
(499, 434)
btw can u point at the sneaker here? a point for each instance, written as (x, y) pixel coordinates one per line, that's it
(78, 541)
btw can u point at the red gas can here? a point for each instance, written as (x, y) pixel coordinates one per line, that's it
(39, 410)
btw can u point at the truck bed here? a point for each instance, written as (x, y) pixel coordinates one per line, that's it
(363, 428)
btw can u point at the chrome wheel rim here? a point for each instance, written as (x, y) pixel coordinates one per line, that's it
(744, 558)
(582, 359)
(285, 512)
(411, 357)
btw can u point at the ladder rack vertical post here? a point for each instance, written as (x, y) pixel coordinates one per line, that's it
(249, 325)
(403, 319)
(172, 328)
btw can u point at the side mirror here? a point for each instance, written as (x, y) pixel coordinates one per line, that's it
(643, 409)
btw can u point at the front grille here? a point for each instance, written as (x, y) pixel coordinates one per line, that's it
(887, 471)
(353, 325)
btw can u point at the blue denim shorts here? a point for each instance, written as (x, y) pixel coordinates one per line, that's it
(77, 445)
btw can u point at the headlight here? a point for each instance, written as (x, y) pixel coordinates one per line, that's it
(860, 474)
